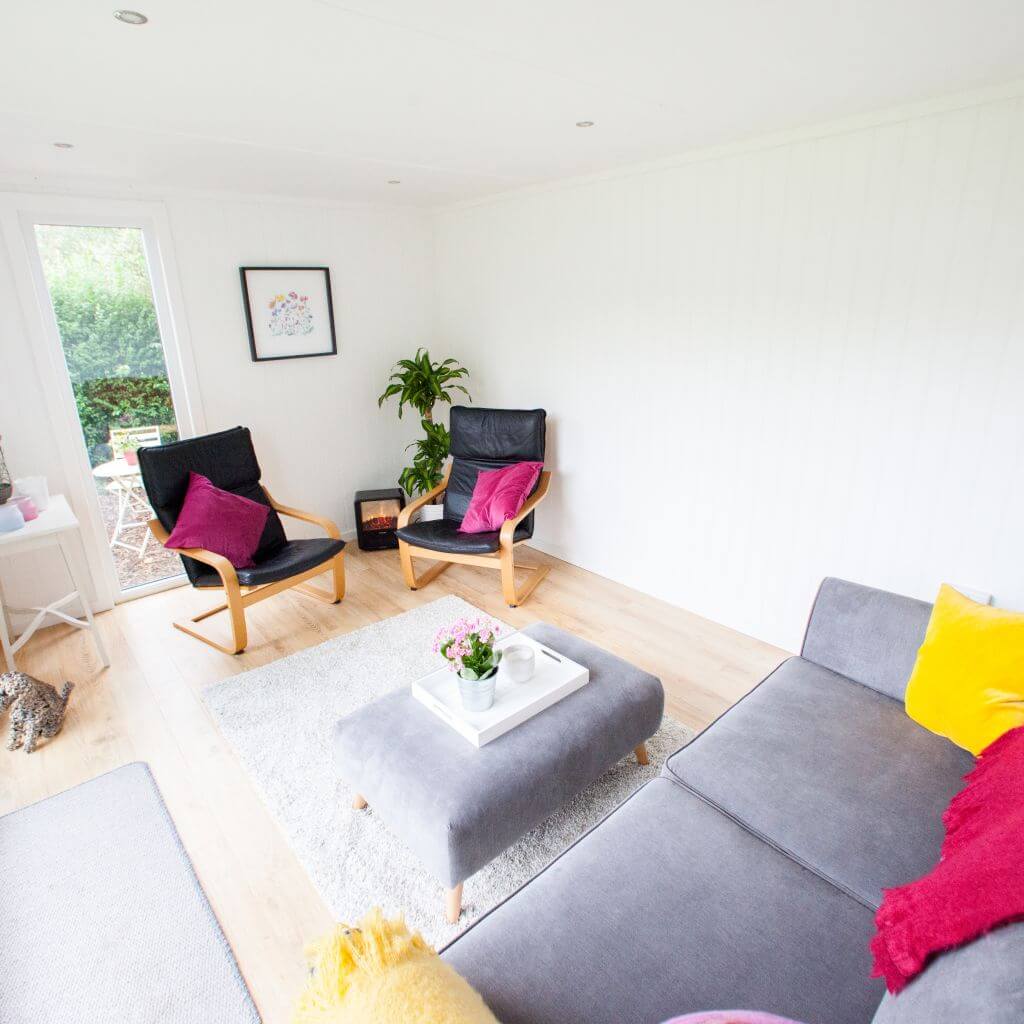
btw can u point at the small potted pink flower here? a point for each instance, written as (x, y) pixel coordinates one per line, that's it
(468, 646)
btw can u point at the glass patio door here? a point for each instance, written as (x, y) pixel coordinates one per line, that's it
(101, 291)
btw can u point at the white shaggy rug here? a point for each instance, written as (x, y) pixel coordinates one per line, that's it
(279, 719)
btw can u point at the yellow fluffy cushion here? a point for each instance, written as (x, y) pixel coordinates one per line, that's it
(379, 973)
(968, 681)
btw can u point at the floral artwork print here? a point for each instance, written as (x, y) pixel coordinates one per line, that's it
(290, 315)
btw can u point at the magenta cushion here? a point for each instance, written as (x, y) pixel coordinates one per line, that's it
(731, 1017)
(498, 495)
(224, 523)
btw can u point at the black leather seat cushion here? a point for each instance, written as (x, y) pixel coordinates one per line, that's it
(444, 535)
(293, 557)
(228, 460)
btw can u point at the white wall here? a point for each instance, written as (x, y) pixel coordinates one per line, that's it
(317, 429)
(316, 425)
(766, 366)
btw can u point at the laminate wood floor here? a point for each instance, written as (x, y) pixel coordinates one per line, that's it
(146, 706)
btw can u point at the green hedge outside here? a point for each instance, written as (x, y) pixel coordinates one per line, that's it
(99, 286)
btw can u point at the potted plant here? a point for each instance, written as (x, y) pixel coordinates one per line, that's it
(468, 645)
(420, 384)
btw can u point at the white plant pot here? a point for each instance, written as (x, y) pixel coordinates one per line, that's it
(428, 513)
(477, 694)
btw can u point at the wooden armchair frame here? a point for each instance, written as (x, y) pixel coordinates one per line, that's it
(238, 597)
(503, 559)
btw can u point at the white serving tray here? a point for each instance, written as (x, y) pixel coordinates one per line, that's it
(554, 677)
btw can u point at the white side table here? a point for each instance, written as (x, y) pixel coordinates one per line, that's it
(53, 528)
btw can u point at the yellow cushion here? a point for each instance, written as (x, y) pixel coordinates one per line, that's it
(968, 681)
(379, 973)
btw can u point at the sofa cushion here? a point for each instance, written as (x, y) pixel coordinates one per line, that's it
(831, 772)
(981, 983)
(968, 683)
(868, 635)
(669, 907)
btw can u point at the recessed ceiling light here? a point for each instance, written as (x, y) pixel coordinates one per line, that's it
(394, 181)
(64, 145)
(131, 17)
(584, 124)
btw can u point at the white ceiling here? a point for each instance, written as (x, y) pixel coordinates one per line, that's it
(457, 98)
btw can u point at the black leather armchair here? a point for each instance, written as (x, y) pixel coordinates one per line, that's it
(481, 439)
(228, 460)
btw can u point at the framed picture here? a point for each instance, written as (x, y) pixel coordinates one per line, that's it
(289, 312)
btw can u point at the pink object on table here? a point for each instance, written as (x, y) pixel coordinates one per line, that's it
(27, 506)
(498, 495)
(131, 456)
(978, 883)
(224, 523)
(731, 1017)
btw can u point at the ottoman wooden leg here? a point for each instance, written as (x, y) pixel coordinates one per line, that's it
(641, 754)
(359, 803)
(453, 904)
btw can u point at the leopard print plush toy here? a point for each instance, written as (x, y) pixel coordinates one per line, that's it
(37, 708)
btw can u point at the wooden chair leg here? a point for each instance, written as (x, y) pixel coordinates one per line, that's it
(409, 573)
(508, 576)
(236, 613)
(453, 904)
(641, 754)
(337, 591)
(339, 577)
(514, 597)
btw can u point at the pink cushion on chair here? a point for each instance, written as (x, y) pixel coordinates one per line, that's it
(498, 495)
(226, 524)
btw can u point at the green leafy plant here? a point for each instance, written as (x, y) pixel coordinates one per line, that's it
(103, 304)
(420, 384)
(431, 451)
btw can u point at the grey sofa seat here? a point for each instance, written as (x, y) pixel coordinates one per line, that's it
(833, 773)
(694, 909)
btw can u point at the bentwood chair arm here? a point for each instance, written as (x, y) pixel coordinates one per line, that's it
(406, 514)
(224, 568)
(508, 528)
(325, 524)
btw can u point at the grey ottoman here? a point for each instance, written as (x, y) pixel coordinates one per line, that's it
(458, 807)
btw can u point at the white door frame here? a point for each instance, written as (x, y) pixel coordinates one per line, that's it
(19, 213)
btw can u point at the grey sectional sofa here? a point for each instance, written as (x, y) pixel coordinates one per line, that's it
(748, 874)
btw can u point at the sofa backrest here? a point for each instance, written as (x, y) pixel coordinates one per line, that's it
(868, 635)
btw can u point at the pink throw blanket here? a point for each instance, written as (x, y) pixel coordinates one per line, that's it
(978, 883)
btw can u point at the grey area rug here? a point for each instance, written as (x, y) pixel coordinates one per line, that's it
(279, 720)
(102, 917)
